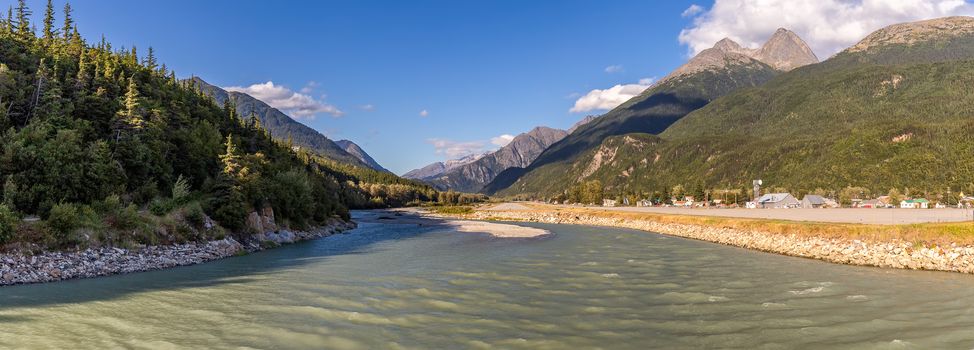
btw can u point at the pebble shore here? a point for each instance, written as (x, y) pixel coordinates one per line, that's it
(899, 254)
(95, 262)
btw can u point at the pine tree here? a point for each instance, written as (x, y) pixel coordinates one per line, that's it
(130, 117)
(23, 20)
(134, 57)
(132, 98)
(230, 108)
(150, 59)
(231, 159)
(68, 27)
(10, 18)
(49, 21)
(81, 79)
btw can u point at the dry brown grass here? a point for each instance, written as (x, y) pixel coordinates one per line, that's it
(961, 233)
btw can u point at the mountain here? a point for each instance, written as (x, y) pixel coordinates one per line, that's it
(891, 112)
(908, 34)
(785, 51)
(360, 153)
(586, 120)
(280, 125)
(520, 152)
(438, 168)
(714, 72)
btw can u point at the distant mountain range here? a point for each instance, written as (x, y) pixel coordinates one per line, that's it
(436, 169)
(282, 127)
(472, 173)
(892, 111)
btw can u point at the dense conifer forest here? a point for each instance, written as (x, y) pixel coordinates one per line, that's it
(103, 145)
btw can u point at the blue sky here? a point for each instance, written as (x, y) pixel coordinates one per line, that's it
(480, 69)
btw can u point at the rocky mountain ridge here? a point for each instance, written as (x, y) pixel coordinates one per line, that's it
(357, 151)
(520, 152)
(436, 169)
(280, 125)
(915, 32)
(783, 51)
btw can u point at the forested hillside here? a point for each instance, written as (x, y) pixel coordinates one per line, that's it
(106, 146)
(280, 126)
(651, 112)
(893, 114)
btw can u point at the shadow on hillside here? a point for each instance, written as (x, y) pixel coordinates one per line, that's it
(238, 270)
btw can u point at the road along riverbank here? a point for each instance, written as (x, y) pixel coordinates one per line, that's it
(940, 247)
(16, 268)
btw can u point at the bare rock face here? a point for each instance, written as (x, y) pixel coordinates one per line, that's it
(437, 169)
(523, 150)
(785, 51)
(914, 32)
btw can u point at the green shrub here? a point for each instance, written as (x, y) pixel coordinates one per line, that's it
(180, 189)
(62, 219)
(111, 205)
(8, 224)
(193, 213)
(161, 206)
(127, 218)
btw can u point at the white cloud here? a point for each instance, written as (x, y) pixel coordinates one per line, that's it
(828, 26)
(296, 104)
(615, 68)
(610, 98)
(502, 140)
(692, 10)
(424, 113)
(456, 149)
(309, 87)
(367, 107)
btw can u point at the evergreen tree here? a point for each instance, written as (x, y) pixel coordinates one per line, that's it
(49, 21)
(81, 79)
(68, 28)
(133, 57)
(231, 159)
(9, 23)
(150, 59)
(23, 20)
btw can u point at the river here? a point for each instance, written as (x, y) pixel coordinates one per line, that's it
(393, 286)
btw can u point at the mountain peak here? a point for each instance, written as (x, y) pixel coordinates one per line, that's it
(785, 51)
(914, 32)
(357, 151)
(728, 45)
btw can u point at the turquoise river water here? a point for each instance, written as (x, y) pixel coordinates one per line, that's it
(393, 286)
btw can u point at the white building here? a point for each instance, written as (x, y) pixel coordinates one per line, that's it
(778, 200)
(918, 203)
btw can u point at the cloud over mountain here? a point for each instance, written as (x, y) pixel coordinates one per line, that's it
(606, 99)
(456, 149)
(296, 104)
(502, 140)
(829, 26)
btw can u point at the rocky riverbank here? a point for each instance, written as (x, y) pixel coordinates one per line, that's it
(95, 262)
(892, 254)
